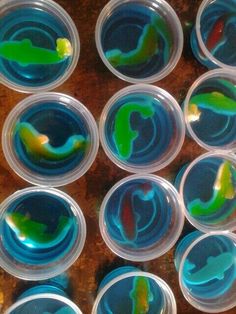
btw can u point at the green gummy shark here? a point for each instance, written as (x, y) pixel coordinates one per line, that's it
(34, 234)
(24, 53)
(123, 134)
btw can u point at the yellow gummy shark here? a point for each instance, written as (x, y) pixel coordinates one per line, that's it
(37, 144)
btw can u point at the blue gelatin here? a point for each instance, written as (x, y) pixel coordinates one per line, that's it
(42, 28)
(44, 288)
(138, 214)
(123, 32)
(44, 306)
(39, 228)
(201, 188)
(124, 297)
(218, 31)
(59, 124)
(211, 121)
(144, 137)
(209, 269)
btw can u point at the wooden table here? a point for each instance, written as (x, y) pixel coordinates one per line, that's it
(93, 85)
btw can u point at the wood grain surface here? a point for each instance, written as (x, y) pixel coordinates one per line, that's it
(93, 85)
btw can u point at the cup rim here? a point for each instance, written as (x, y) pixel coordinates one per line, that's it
(154, 253)
(37, 296)
(202, 46)
(194, 222)
(207, 75)
(74, 60)
(167, 291)
(155, 77)
(43, 274)
(173, 104)
(185, 292)
(54, 180)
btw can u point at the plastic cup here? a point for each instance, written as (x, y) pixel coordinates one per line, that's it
(207, 266)
(139, 41)
(120, 294)
(50, 139)
(213, 38)
(141, 217)
(44, 299)
(42, 231)
(31, 29)
(210, 110)
(207, 192)
(142, 128)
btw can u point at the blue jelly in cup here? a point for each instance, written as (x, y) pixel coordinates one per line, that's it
(207, 190)
(44, 299)
(139, 41)
(142, 128)
(213, 38)
(141, 218)
(50, 139)
(207, 271)
(42, 233)
(135, 292)
(210, 110)
(39, 45)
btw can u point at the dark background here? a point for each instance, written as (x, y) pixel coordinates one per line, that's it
(93, 85)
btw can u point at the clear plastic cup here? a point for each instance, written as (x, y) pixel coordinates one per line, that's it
(142, 128)
(207, 192)
(43, 231)
(207, 266)
(139, 41)
(213, 37)
(31, 30)
(210, 110)
(50, 139)
(43, 299)
(120, 294)
(141, 218)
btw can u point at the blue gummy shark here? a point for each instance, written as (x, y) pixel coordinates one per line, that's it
(214, 269)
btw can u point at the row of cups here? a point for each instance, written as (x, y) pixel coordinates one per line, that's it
(52, 139)
(42, 61)
(210, 288)
(140, 218)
